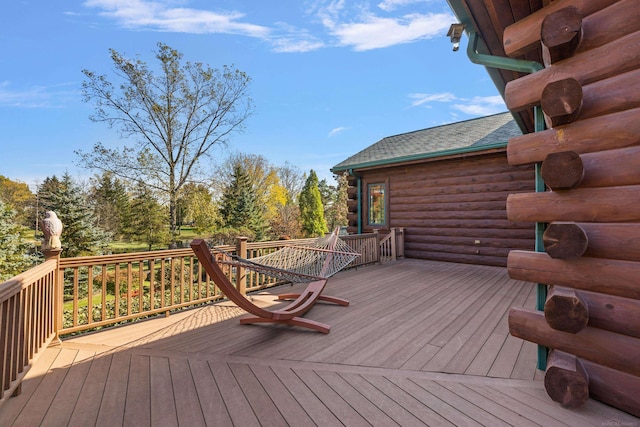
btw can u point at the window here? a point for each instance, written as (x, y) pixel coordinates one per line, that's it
(377, 204)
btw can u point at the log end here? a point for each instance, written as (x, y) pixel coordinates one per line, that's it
(565, 240)
(565, 311)
(562, 101)
(562, 170)
(566, 381)
(560, 34)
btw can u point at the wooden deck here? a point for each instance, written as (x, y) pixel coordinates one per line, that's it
(422, 343)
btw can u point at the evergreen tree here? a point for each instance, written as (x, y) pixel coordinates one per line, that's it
(14, 251)
(80, 235)
(112, 204)
(240, 207)
(149, 224)
(311, 209)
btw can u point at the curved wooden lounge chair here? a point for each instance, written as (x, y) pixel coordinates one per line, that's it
(289, 315)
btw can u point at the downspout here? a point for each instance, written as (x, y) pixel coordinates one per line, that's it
(529, 67)
(499, 62)
(358, 199)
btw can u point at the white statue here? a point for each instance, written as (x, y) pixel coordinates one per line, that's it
(52, 229)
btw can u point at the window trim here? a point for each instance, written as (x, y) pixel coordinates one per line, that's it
(385, 184)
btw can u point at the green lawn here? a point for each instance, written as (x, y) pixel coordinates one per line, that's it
(186, 233)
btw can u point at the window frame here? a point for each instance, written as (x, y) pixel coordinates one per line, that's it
(385, 205)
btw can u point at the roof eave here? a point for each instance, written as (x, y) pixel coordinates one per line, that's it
(438, 155)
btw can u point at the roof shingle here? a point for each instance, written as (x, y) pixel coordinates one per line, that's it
(497, 128)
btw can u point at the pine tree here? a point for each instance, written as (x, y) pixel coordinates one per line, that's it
(112, 204)
(80, 234)
(240, 207)
(149, 224)
(311, 209)
(14, 251)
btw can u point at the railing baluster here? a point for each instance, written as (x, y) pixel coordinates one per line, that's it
(89, 295)
(104, 293)
(75, 296)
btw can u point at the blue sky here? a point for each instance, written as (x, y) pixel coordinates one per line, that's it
(329, 78)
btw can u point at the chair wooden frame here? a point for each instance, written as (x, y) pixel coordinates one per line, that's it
(289, 315)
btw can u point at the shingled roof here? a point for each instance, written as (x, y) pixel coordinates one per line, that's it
(474, 134)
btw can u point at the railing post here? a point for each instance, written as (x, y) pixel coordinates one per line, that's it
(58, 305)
(377, 247)
(241, 274)
(400, 243)
(393, 244)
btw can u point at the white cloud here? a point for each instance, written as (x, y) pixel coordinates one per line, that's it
(374, 32)
(161, 17)
(291, 39)
(337, 131)
(482, 106)
(354, 25)
(391, 5)
(291, 45)
(35, 96)
(476, 106)
(423, 98)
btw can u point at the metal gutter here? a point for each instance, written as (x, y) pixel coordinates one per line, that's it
(422, 156)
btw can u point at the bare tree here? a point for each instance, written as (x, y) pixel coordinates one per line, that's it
(176, 118)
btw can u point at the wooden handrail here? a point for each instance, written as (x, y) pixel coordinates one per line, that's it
(392, 245)
(26, 323)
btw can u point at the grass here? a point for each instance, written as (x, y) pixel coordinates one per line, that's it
(120, 246)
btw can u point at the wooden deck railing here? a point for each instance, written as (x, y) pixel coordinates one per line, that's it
(26, 323)
(68, 295)
(392, 245)
(103, 290)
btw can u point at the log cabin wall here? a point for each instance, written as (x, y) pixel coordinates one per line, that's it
(452, 210)
(589, 91)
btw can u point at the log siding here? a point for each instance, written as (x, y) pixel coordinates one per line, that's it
(453, 210)
(589, 95)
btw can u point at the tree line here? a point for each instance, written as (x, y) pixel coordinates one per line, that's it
(249, 197)
(170, 118)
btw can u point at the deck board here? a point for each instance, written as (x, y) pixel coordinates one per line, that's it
(63, 405)
(138, 403)
(472, 410)
(412, 405)
(363, 406)
(47, 389)
(209, 396)
(288, 406)
(305, 397)
(91, 392)
(185, 395)
(162, 404)
(421, 343)
(115, 391)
